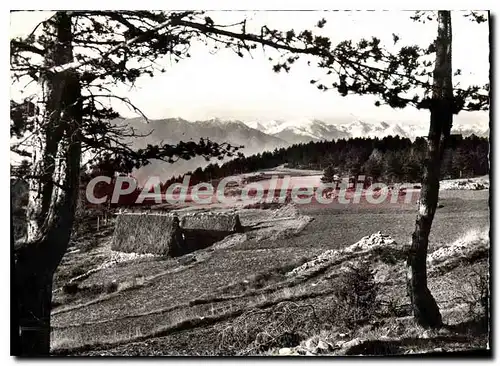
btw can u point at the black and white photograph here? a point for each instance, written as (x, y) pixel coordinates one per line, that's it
(234, 183)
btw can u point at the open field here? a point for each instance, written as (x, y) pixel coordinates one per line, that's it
(221, 299)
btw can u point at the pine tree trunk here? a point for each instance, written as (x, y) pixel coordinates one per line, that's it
(34, 294)
(15, 339)
(53, 194)
(425, 308)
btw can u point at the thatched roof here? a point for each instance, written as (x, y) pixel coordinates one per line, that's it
(147, 233)
(224, 222)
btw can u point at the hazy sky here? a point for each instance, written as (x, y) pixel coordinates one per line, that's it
(229, 87)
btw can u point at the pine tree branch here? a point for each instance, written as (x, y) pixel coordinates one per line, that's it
(79, 63)
(19, 46)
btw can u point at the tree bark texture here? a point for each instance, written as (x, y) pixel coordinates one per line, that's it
(53, 193)
(425, 308)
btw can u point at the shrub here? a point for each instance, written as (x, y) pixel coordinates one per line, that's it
(475, 293)
(355, 296)
(111, 287)
(258, 330)
(93, 290)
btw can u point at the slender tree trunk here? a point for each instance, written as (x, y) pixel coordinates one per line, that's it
(15, 341)
(53, 194)
(425, 308)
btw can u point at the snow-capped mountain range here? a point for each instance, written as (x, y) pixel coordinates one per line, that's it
(259, 136)
(294, 131)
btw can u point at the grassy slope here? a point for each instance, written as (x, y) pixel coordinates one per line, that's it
(162, 297)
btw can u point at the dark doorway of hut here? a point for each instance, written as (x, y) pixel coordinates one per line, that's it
(202, 230)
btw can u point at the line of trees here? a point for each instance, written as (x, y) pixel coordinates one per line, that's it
(387, 159)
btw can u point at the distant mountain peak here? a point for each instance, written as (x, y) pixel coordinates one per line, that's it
(260, 135)
(304, 130)
(173, 130)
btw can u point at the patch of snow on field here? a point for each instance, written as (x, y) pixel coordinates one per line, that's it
(114, 258)
(468, 246)
(371, 242)
(118, 257)
(465, 184)
(363, 246)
